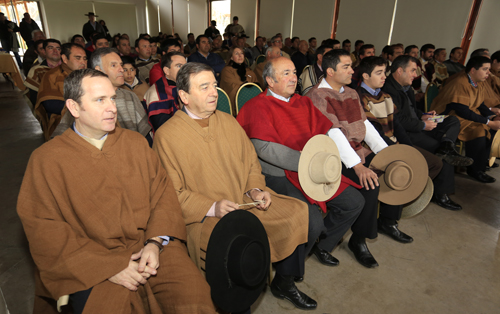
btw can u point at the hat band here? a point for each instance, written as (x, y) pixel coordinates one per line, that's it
(398, 175)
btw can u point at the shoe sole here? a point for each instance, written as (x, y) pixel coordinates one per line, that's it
(456, 161)
(283, 297)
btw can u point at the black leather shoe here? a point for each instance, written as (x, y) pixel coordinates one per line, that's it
(495, 165)
(283, 287)
(481, 176)
(444, 201)
(298, 278)
(448, 153)
(393, 232)
(362, 254)
(324, 257)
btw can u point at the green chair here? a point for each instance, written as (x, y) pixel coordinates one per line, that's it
(260, 59)
(246, 92)
(430, 93)
(223, 102)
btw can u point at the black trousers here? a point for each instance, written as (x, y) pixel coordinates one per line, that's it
(479, 150)
(78, 300)
(342, 212)
(430, 140)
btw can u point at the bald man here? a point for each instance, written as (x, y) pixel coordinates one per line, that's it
(272, 52)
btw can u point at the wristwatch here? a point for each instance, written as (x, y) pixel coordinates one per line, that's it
(158, 244)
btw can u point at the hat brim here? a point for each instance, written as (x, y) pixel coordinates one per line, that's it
(416, 206)
(226, 294)
(495, 149)
(316, 144)
(414, 159)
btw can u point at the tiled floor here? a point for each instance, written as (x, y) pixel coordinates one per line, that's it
(453, 266)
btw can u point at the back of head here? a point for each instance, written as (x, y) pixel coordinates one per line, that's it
(321, 50)
(332, 58)
(96, 57)
(368, 64)
(184, 74)
(476, 63)
(481, 52)
(402, 62)
(496, 56)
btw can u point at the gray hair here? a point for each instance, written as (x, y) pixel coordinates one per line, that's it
(269, 50)
(96, 57)
(73, 83)
(184, 74)
(269, 71)
(34, 32)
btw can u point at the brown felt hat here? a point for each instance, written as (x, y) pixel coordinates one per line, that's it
(404, 174)
(320, 168)
(495, 149)
(416, 206)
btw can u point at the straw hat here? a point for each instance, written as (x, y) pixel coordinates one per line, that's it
(495, 149)
(320, 168)
(405, 174)
(415, 207)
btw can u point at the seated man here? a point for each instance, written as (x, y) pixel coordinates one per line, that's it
(435, 70)
(162, 98)
(203, 55)
(30, 55)
(436, 138)
(279, 124)
(124, 48)
(314, 73)
(367, 50)
(453, 64)
(131, 112)
(38, 70)
(190, 47)
(463, 98)
(300, 58)
(341, 105)
(131, 81)
(214, 168)
(49, 107)
(218, 48)
(259, 48)
(393, 52)
(144, 62)
(277, 41)
(168, 45)
(106, 254)
(271, 53)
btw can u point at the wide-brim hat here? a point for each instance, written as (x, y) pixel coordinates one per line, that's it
(416, 206)
(91, 13)
(237, 261)
(404, 174)
(320, 168)
(495, 149)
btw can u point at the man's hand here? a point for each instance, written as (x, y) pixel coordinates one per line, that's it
(428, 115)
(494, 125)
(430, 125)
(367, 178)
(224, 207)
(495, 110)
(257, 195)
(130, 277)
(150, 259)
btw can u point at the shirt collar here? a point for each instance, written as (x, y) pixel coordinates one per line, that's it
(373, 92)
(145, 60)
(192, 115)
(324, 84)
(471, 81)
(203, 55)
(136, 81)
(76, 131)
(279, 97)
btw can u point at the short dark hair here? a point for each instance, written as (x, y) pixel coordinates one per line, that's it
(138, 40)
(190, 34)
(128, 60)
(235, 18)
(426, 47)
(359, 41)
(437, 51)
(294, 38)
(98, 36)
(213, 23)
(321, 50)
(328, 43)
(495, 56)
(167, 43)
(96, 57)
(390, 50)
(409, 48)
(166, 60)
(75, 37)
(402, 62)
(332, 58)
(453, 51)
(73, 83)
(123, 38)
(479, 52)
(66, 49)
(368, 64)
(476, 63)
(37, 43)
(51, 40)
(385, 49)
(311, 39)
(184, 74)
(347, 41)
(198, 39)
(258, 37)
(364, 48)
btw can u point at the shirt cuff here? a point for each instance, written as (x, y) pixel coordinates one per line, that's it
(211, 211)
(166, 240)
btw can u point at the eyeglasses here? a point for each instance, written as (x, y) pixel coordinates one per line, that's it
(277, 41)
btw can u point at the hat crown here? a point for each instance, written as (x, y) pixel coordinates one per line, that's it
(398, 175)
(246, 262)
(323, 168)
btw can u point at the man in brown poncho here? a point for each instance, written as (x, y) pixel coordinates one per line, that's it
(464, 97)
(98, 215)
(214, 168)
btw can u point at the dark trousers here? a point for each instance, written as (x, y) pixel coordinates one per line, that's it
(479, 150)
(430, 140)
(342, 212)
(78, 300)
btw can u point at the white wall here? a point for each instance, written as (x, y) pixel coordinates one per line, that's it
(246, 11)
(153, 17)
(166, 17)
(309, 23)
(486, 32)
(275, 17)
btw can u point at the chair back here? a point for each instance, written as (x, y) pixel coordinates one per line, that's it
(430, 93)
(223, 102)
(246, 92)
(260, 59)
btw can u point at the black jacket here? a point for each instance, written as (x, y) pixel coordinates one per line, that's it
(405, 102)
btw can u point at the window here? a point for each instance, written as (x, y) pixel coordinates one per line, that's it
(221, 13)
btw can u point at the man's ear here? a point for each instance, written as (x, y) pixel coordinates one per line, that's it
(184, 97)
(137, 49)
(166, 71)
(98, 68)
(330, 72)
(366, 76)
(73, 108)
(270, 81)
(64, 59)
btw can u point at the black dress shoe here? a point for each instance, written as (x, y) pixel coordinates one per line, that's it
(298, 278)
(495, 165)
(448, 153)
(481, 176)
(444, 201)
(362, 254)
(324, 257)
(393, 232)
(283, 287)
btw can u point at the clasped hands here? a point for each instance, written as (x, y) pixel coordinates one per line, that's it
(224, 207)
(429, 124)
(138, 272)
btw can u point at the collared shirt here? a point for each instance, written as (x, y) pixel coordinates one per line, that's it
(474, 84)
(191, 115)
(373, 92)
(279, 97)
(76, 130)
(324, 84)
(136, 81)
(144, 60)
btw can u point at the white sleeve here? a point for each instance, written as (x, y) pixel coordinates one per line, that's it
(373, 138)
(347, 153)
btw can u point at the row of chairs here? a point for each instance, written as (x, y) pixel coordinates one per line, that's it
(246, 92)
